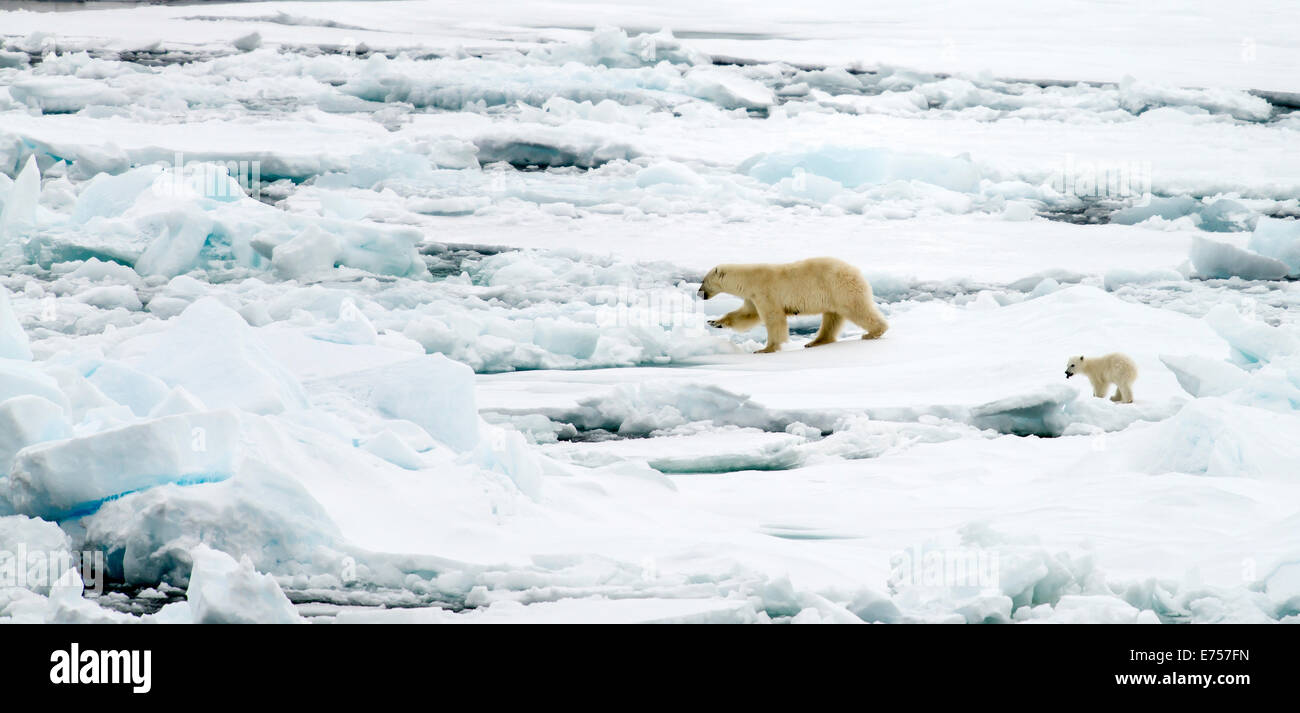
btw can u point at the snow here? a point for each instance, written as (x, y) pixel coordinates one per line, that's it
(389, 310)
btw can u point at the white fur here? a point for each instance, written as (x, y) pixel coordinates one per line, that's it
(1103, 371)
(820, 285)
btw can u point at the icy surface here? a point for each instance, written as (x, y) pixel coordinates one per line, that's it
(387, 312)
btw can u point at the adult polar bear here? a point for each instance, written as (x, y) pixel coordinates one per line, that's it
(820, 285)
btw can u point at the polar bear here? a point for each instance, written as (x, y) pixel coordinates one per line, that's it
(820, 285)
(1103, 371)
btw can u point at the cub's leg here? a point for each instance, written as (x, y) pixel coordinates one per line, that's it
(1119, 394)
(865, 314)
(1125, 391)
(1099, 387)
(831, 323)
(778, 329)
(739, 319)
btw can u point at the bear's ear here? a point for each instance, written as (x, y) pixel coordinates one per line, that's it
(1080, 357)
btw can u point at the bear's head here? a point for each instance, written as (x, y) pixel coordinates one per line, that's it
(714, 283)
(1073, 366)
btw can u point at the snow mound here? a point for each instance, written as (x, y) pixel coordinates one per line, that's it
(73, 477)
(20, 535)
(223, 591)
(1278, 239)
(13, 340)
(28, 419)
(1218, 438)
(19, 378)
(1250, 341)
(1114, 279)
(544, 146)
(1201, 376)
(728, 89)
(215, 355)
(854, 167)
(1036, 413)
(432, 391)
(613, 47)
(642, 408)
(1214, 259)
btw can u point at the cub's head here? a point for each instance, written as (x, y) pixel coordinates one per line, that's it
(714, 283)
(1072, 366)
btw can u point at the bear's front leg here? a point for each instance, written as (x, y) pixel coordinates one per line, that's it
(739, 319)
(1099, 387)
(778, 329)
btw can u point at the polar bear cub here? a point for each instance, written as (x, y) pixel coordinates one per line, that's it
(1103, 371)
(821, 285)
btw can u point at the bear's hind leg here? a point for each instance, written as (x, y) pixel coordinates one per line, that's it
(866, 315)
(1125, 392)
(831, 323)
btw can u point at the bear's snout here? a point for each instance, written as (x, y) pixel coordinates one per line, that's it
(704, 293)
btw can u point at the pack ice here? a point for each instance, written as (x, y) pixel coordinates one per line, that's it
(306, 322)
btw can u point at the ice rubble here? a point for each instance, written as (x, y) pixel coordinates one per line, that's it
(1272, 253)
(1221, 215)
(169, 221)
